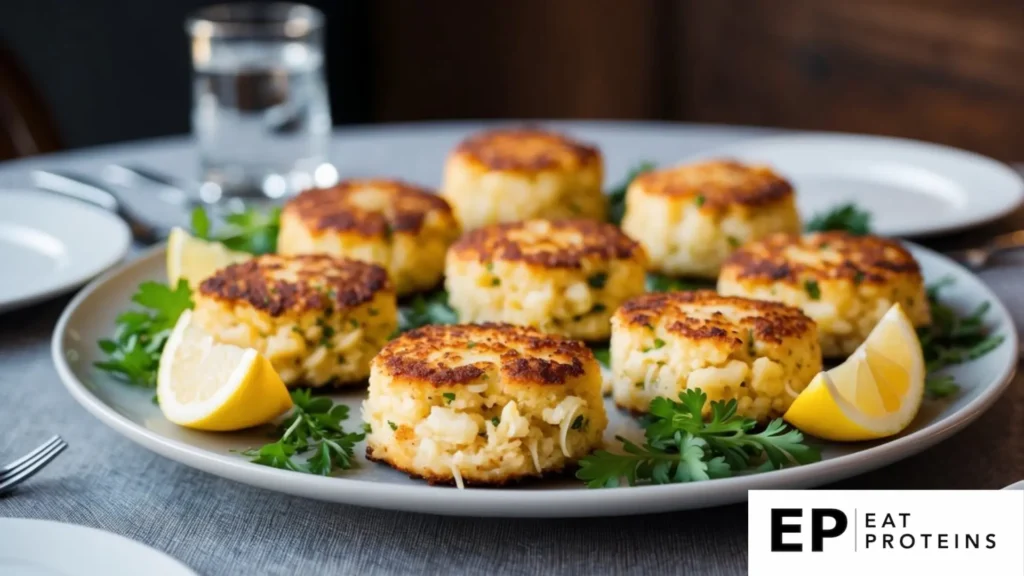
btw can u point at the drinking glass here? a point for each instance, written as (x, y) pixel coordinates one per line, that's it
(260, 113)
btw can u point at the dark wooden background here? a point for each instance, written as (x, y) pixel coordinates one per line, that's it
(950, 71)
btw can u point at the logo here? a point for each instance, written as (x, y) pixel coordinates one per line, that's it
(818, 530)
(797, 532)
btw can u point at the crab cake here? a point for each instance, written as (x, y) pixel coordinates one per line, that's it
(564, 277)
(511, 175)
(483, 404)
(762, 354)
(845, 283)
(691, 217)
(317, 318)
(402, 227)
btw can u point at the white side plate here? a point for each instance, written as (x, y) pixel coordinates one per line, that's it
(911, 188)
(130, 411)
(44, 548)
(49, 245)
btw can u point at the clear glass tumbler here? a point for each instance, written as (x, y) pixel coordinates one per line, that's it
(260, 112)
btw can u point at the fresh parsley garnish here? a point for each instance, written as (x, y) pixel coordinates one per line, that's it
(602, 354)
(699, 200)
(424, 309)
(449, 397)
(200, 223)
(617, 195)
(133, 353)
(680, 446)
(660, 283)
(597, 280)
(812, 289)
(846, 218)
(314, 427)
(250, 230)
(952, 339)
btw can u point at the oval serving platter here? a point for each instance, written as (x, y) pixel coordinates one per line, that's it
(130, 411)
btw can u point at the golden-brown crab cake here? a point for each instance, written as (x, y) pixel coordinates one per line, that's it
(845, 283)
(564, 277)
(317, 318)
(691, 217)
(511, 175)
(402, 227)
(762, 354)
(483, 404)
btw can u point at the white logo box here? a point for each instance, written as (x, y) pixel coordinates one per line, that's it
(912, 533)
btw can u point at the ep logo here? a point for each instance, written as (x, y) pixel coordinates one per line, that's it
(824, 523)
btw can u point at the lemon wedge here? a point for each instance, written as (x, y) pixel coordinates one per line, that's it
(875, 393)
(195, 259)
(205, 385)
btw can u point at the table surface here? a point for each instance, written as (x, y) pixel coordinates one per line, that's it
(220, 527)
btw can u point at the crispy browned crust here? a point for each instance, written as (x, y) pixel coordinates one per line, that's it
(526, 150)
(512, 480)
(337, 208)
(559, 244)
(840, 256)
(719, 184)
(322, 283)
(770, 321)
(434, 355)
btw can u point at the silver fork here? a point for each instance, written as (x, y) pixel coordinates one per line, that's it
(25, 467)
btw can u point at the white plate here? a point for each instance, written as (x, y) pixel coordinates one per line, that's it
(53, 244)
(130, 411)
(44, 548)
(911, 188)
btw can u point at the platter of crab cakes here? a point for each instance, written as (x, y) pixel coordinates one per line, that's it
(528, 339)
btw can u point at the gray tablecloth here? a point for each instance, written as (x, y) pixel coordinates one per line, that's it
(221, 527)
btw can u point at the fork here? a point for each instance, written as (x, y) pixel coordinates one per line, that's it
(25, 467)
(979, 257)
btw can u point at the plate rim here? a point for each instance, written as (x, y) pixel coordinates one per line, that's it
(523, 502)
(77, 529)
(993, 214)
(123, 232)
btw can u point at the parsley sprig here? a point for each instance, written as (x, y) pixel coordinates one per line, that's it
(424, 309)
(680, 446)
(846, 218)
(952, 339)
(314, 427)
(660, 283)
(250, 230)
(133, 353)
(617, 195)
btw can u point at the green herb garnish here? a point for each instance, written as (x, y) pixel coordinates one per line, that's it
(449, 397)
(495, 421)
(424, 309)
(597, 280)
(392, 425)
(314, 426)
(952, 339)
(250, 230)
(200, 223)
(699, 200)
(845, 218)
(602, 354)
(659, 283)
(812, 289)
(139, 336)
(617, 195)
(680, 446)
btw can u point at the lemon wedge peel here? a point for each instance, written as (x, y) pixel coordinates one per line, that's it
(195, 259)
(833, 411)
(251, 394)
